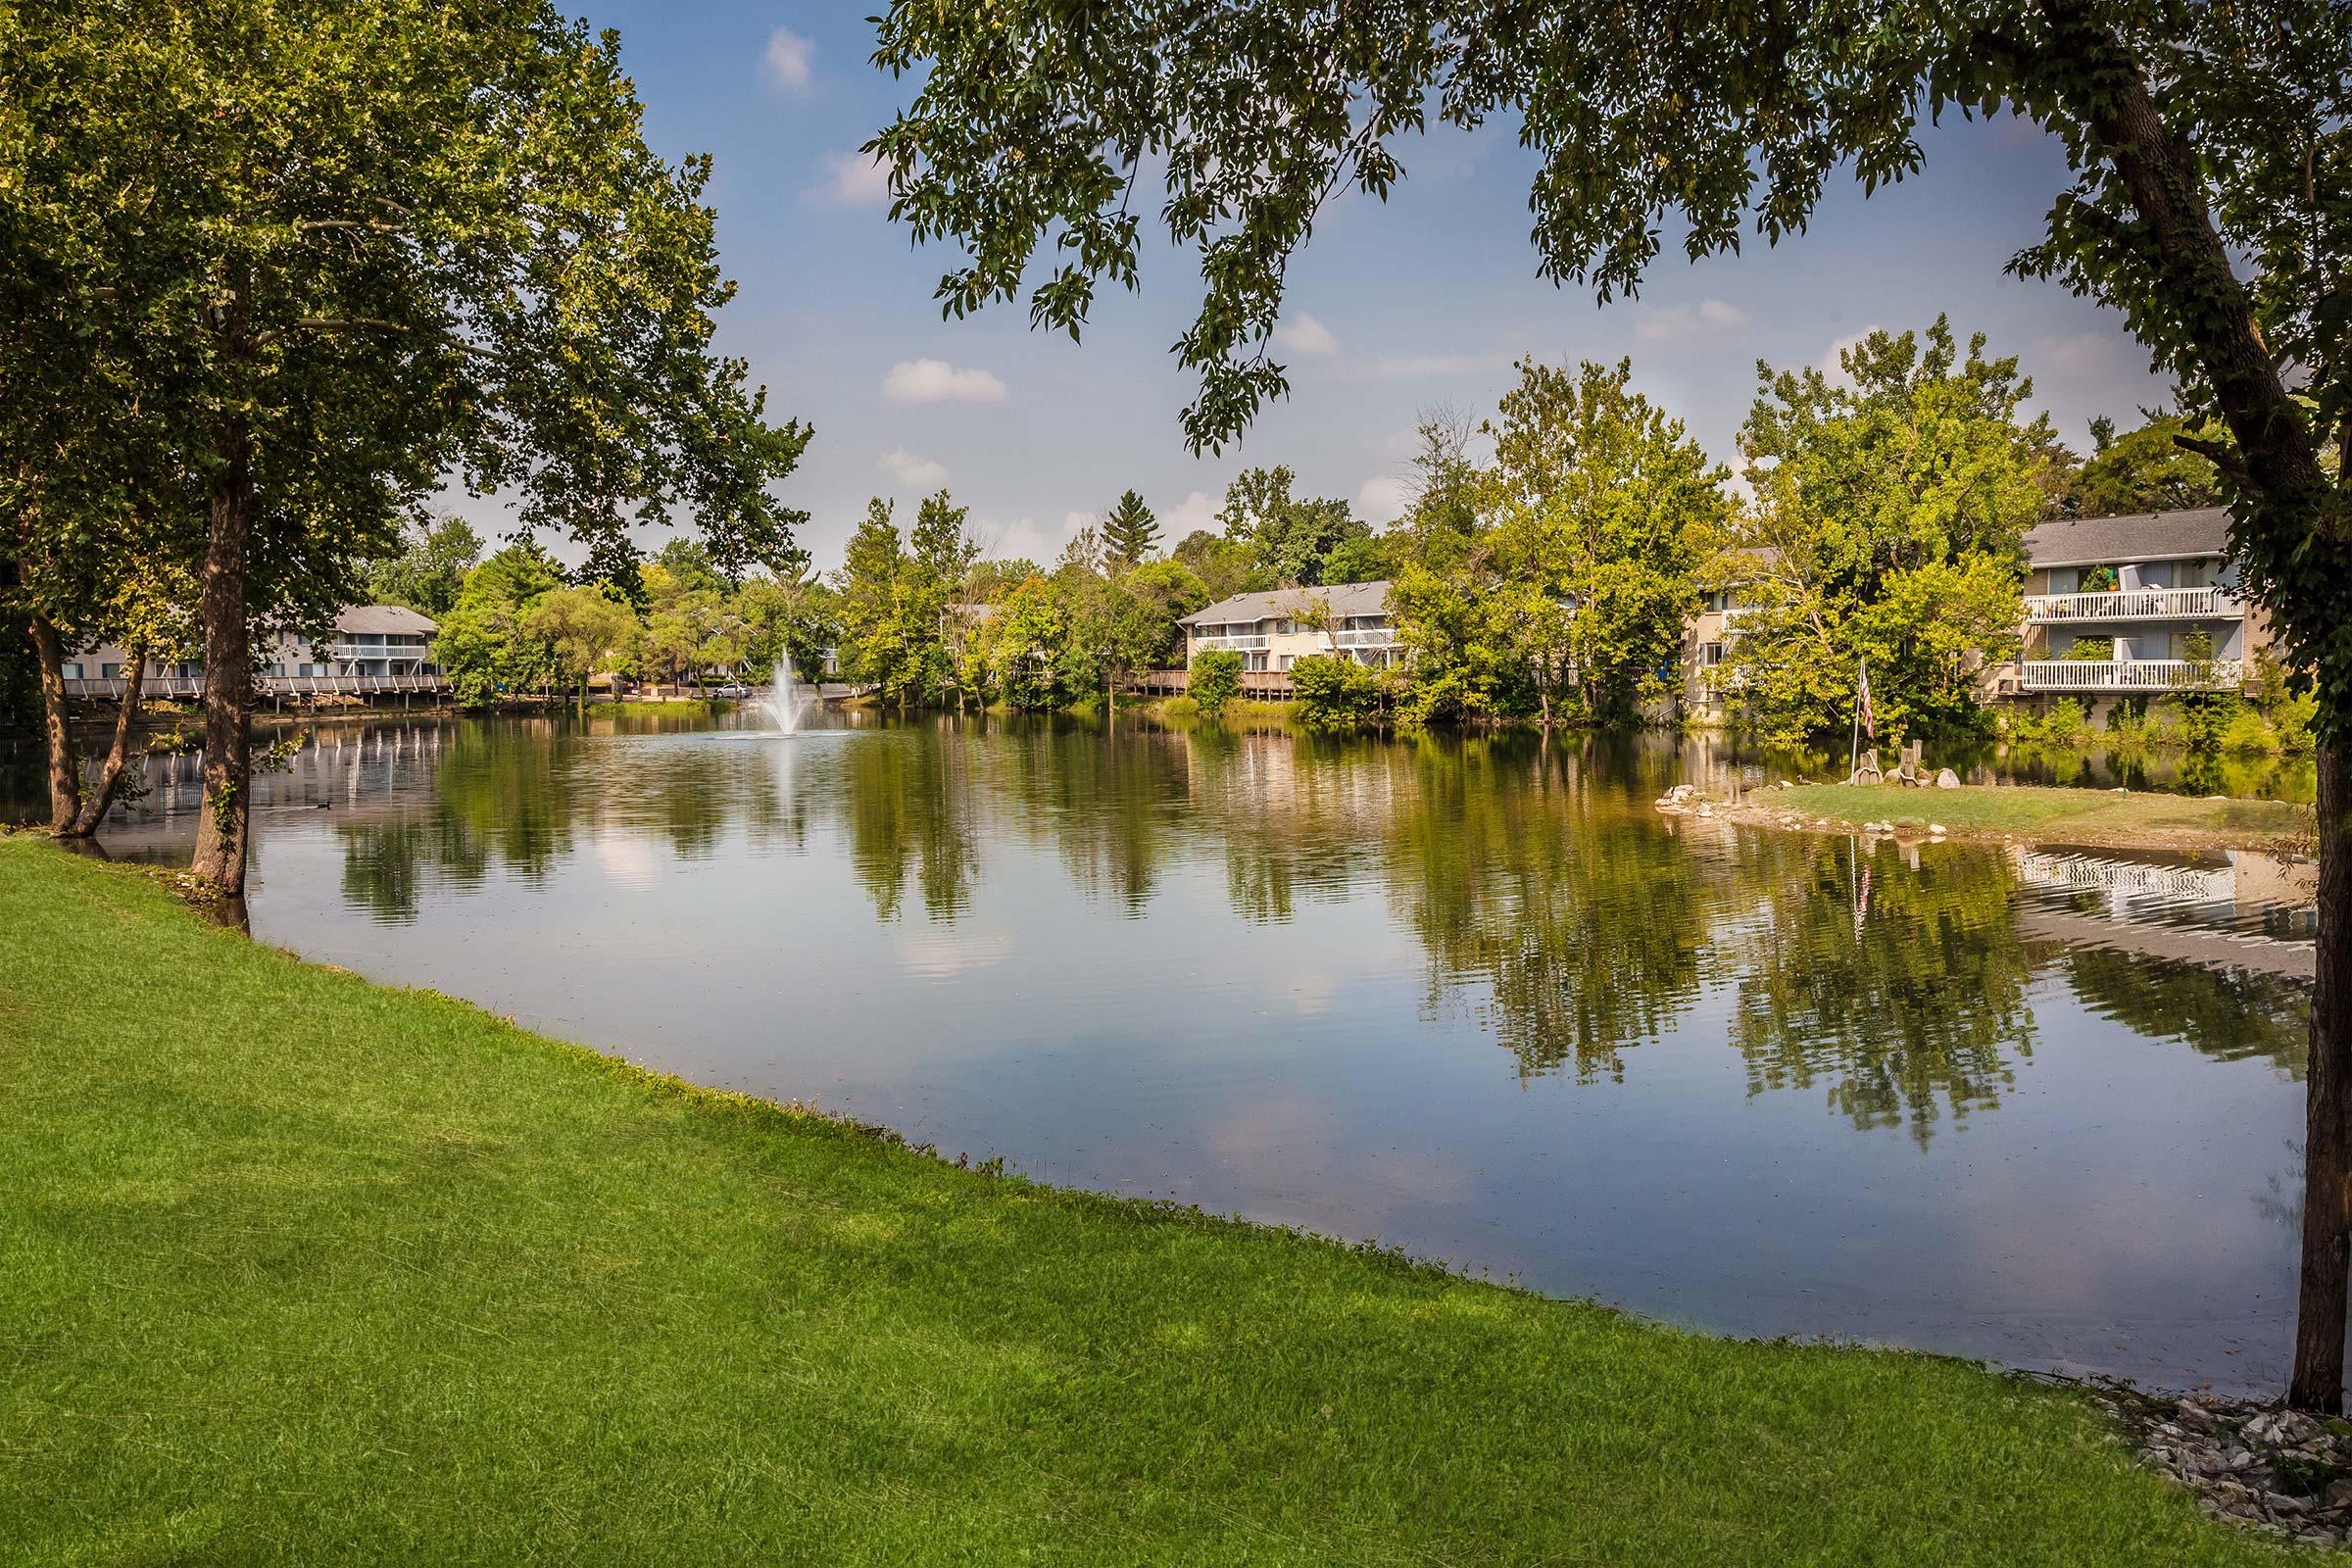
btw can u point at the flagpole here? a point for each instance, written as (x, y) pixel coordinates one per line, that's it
(1853, 761)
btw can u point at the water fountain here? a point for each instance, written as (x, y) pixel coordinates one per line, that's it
(784, 705)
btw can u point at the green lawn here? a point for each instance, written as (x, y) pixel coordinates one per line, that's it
(298, 1269)
(2101, 814)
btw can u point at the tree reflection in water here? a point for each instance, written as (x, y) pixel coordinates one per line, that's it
(1547, 897)
(1905, 1008)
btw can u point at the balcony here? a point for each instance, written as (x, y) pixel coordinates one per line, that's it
(404, 653)
(1366, 637)
(2132, 675)
(1255, 644)
(2136, 604)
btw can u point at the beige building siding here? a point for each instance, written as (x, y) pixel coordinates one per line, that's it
(1272, 630)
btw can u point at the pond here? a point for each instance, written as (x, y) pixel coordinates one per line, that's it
(1470, 998)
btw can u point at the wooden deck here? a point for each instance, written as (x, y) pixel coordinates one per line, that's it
(1262, 685)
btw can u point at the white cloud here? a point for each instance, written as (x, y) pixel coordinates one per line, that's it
(1829, 365)
(916, 473)
(788, 59)
(1198, 511)
(1023, 539)
(1432, 367)
(1667, 324)
(1383, 498)
(851, 179)
(1306, 338)
(938, 381)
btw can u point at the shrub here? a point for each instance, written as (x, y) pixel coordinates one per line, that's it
(1335, 693)
(2065, 724)
(2247, 733)
(2294, 719)
(1180, 708)
(1217, 679)
(2204, 715)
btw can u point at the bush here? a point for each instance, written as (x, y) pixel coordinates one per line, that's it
(2294, 719)
(2205, 716)
(1335, 693)
(1180, 708)
(1217, 679)
(2065, 724)
(2248, 733)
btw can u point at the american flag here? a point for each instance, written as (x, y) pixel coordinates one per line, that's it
(1870, 721)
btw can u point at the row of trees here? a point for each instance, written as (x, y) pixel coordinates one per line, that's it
(1552, 555)
(1880, 514)
(269, 278)
(923, 620)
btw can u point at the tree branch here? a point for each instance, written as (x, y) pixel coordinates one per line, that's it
(2220, 454)
(334, 324)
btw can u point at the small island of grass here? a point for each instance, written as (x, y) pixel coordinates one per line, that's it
(2111, 819)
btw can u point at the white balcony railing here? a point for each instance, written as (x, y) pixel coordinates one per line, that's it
(1238, 643)
(2135, 603)
(178, 686)
(1366, 637)
(2132, 675)
(403, 653)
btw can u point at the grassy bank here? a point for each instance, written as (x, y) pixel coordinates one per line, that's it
(294, 1268)
(2070, 816)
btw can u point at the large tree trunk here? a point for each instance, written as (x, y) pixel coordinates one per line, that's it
(101, 798)
(2284, 500)
(64, 780)
(2319, 1376)
(224, 818)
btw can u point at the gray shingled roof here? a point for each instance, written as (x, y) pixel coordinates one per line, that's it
(383, 618)
(2119, 541)
(1346, 599)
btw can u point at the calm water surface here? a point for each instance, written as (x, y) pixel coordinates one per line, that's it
(1473, 998)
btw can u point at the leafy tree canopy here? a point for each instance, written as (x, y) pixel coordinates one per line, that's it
(1290, 540)
(1890, 510)
(430, 570)
(2146, 470)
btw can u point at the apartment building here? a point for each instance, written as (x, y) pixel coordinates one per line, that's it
(2113, 608)
(1274, 630)
(2132, 606)
(372, 648)
(1707, 687)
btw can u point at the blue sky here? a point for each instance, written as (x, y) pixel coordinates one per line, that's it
(1423, 300)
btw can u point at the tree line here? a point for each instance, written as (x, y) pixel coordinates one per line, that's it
(1546, 566)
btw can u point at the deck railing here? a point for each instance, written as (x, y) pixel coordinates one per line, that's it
(1366, 637)
(2135, 603)
(403, 652)
(268, 685)
(1237, 644)
(2130, 674)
